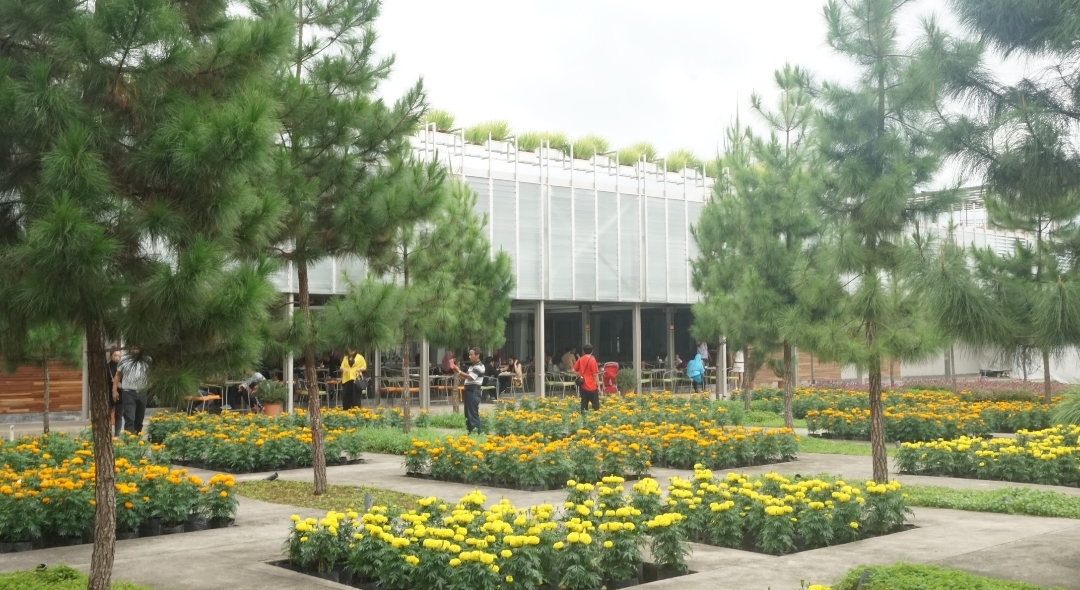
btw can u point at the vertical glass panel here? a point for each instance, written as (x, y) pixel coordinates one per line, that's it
(560, 253)
(530, 242)
(585, 245)
(656, 227)
(608, 245)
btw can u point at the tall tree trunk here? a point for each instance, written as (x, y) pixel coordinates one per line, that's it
(748, 372)
(877, 419)
(406, 389)
(892, 378)
(101, 561)
(813, 381)
(952, 368)
(789, 388)
(45, 414)
(1046, 376)
(314, 406)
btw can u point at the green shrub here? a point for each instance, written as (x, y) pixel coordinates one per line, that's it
(272, 392)
(1024, 501)
(443, 120)
(626, 380)
(450, 420)
(532, 140)
(1068, 410)
(679, 159)
(589, 145)
(632, 153)
(496, 130)
(57, 577)
(902, 576)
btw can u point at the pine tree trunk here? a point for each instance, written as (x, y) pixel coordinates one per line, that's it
(318, 457)
(406, 390)
(877, 418)
(952, 368)
(892, 378)
(1046, 376)
(101, 561)
(789, 388)
(45, 414)
(813, 381)
(748, 371)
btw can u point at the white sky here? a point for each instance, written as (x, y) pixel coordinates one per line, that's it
(671, 73)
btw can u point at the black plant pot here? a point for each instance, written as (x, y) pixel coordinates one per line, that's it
(220, 523)
(345, 575)
(172, 530)
(22, 546)
(126, 535)
(624, 583)
(150, 528)
(197, 522)
(5, 547)
(69, 541)
(332, 576)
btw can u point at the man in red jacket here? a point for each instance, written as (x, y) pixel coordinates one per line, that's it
(587, 369)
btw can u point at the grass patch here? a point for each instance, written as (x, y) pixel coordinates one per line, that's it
(57, 577)
(337, 497)
(392, 441)
(1004, 501)
(769, 419)
(448, 420)
(902, 576)
(811, 444)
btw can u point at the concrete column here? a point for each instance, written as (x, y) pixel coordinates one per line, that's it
(289, 370)
(425, 375)
(669, 327)
(637, 347)
(377, 374)
(540, 356)
(522, 333)
(586, 326)
(721, 367)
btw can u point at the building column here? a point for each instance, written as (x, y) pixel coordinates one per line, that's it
(669, 321)
(425, 375)
(540, 357)
(721, 367)
(636, 328)
(522, 337)
(586, 326)
(290, 372)
(377, 375)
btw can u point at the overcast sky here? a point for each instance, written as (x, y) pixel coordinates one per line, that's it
(671, 72)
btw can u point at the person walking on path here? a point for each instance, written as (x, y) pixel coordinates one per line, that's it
(474, 379)
(586, 369)
(695, 370)
(129, 386)
(352, 378)
(114, 400)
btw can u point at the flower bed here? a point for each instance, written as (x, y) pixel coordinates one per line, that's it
(909, 415)
(534, 462)
(245, 443)
(47, 492)
(1050, 456)
(595, 538)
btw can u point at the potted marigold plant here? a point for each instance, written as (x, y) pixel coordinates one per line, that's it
(21, 517)
(217, 500)
(272, 394)
(577, 557)
(669, 547)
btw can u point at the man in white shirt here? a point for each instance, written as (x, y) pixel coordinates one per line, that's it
(129, 385)
(474, 379)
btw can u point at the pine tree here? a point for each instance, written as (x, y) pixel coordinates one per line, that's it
(129, 133)
(873, 138)
(451, 290)
(752, 234)
(344, 160)
(1020, 140)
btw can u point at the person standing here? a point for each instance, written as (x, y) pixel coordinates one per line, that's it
(703, 351)
(114, 399)
(129, 386)
(474, 379)
(352, 378)
(569, 359)
(586, 368)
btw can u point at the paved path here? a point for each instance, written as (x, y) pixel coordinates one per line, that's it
(1039, 550)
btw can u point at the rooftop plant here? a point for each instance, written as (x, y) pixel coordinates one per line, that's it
(481, 132)
(443, 120)
(588, 146)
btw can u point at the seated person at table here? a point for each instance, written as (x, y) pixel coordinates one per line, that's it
(512, 372)
(246, 389)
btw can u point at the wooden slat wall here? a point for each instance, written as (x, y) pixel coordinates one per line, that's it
(23, 391)
(822, 372)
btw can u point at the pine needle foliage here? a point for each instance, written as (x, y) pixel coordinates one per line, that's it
(873, 137)
(132, 135)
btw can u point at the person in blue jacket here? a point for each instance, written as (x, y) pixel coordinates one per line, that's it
(695, 370)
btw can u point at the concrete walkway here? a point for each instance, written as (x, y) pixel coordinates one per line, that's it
(1043, 551)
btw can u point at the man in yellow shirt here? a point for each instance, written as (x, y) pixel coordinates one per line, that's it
(352, 378)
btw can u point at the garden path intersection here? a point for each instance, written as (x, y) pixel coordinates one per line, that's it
(1043, 551)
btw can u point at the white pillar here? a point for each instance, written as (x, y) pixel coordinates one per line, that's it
(586, 325)
(721, 367)
(540, 359)
(425, 375)
(522, 333)
(290, 372)
(637, 347)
